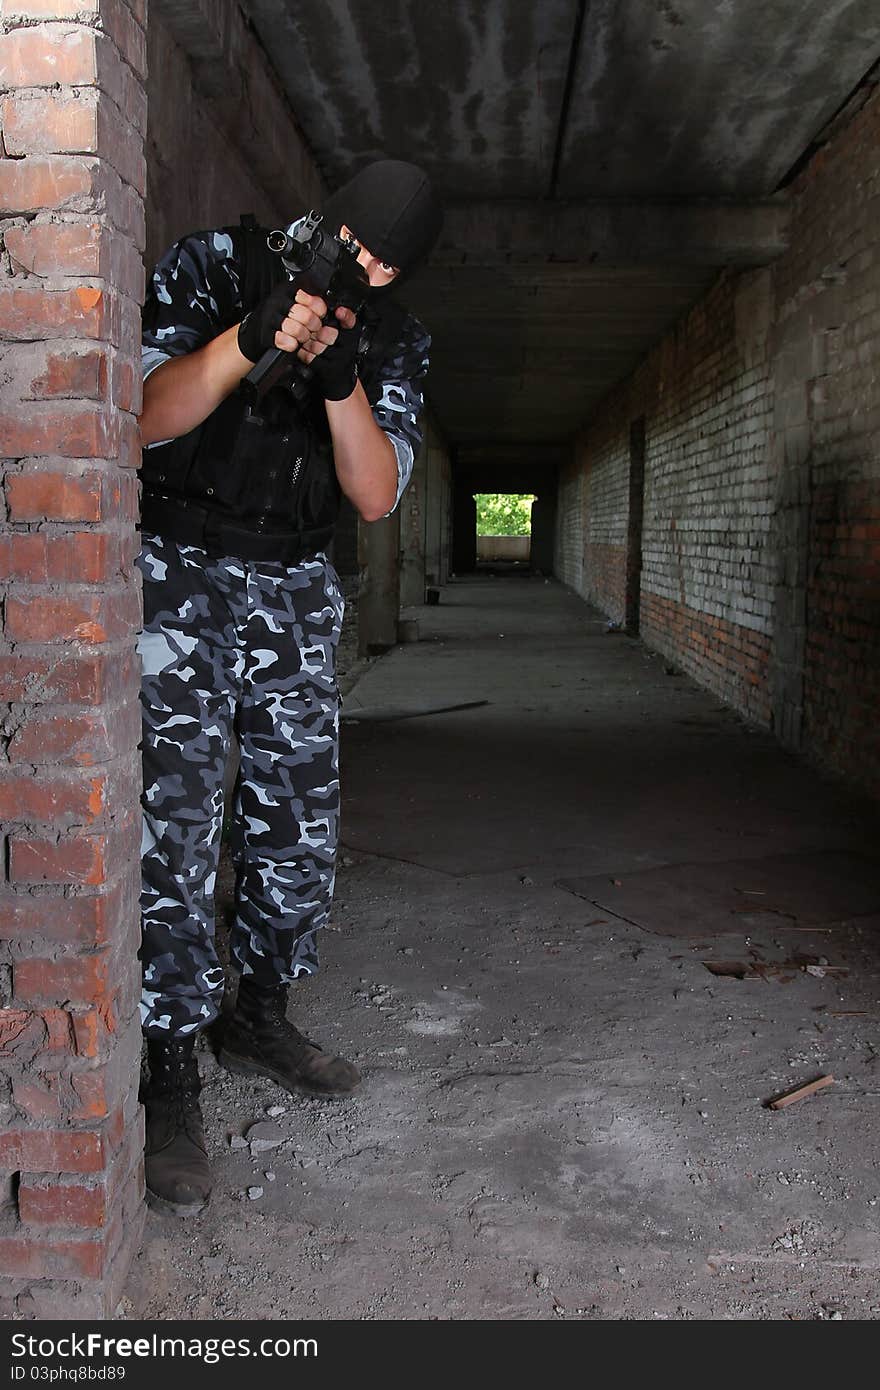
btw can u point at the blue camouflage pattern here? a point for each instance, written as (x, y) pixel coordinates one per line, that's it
(234, 648)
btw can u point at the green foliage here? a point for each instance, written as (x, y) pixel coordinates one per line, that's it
(504, 513)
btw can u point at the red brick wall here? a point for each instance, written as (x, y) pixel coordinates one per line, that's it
(726, 657)
(606, 566)
(71, 233)
(761, 542)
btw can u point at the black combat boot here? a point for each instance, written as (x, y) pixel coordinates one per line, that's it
(176, 1165)
(259, 1041)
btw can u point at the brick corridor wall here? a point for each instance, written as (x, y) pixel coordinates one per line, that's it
(568, 560)
(71, 235)
(761, 541)
(605, 521)
(707, 554)
(831, 281)
(707, 566)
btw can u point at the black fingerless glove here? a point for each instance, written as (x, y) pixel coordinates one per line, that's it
(256, 332)
(335, 369)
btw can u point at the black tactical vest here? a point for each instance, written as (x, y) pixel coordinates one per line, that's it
(256, 481)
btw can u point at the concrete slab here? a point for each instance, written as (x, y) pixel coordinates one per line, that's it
(563, 1116)
(801, 890)
(599, 142)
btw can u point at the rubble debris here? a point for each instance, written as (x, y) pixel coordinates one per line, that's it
(792, 1240)
(788, 926)
(731, 969)
(254, 1193)
(817, 966)
(789, 1097)
(263, 1136)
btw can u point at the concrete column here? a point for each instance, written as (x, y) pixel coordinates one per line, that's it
(437, 509)
(543, 532)
(444, 503)
(799, 364)
(379, 599)
(412, 534)
(464, 529)
(71, 237)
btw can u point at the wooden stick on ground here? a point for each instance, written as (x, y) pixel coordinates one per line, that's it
(789, 1097)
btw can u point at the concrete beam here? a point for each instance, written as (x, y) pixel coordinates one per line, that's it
(588, 232)
(522, 455)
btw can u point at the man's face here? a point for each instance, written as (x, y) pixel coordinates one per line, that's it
(379, 273)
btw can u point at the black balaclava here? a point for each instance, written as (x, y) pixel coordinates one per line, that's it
(392, 209)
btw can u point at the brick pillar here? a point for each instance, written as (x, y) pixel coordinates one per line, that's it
(800, 343)
(71, 279)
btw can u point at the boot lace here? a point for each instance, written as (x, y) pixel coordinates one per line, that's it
(268, 1011)
(174, 1076)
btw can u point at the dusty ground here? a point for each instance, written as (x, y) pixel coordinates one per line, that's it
(563, 1109)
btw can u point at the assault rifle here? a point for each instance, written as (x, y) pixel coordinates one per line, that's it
(321, 264)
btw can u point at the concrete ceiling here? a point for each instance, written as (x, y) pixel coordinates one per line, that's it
(600, 161)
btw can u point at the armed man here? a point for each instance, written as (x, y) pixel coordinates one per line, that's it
(243, 475)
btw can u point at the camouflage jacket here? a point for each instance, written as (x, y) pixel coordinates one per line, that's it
(195, 293)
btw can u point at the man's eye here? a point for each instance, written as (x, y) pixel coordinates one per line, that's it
(388, 269)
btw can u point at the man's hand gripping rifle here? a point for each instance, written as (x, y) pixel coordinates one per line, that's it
(321, 264)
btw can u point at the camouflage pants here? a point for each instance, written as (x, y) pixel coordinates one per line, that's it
(229, 647)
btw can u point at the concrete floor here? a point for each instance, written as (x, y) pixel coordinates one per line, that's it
(563, 1113)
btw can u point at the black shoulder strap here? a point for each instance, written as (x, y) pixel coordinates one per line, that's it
(261, 268)
(386, 333)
